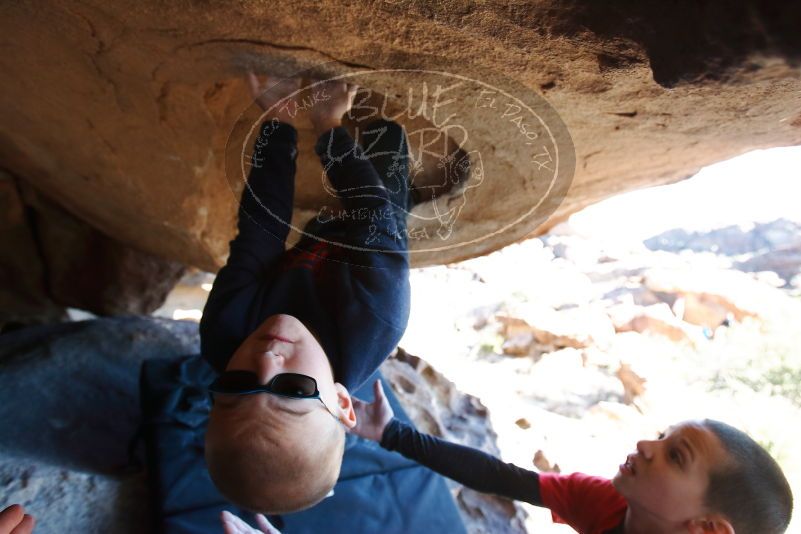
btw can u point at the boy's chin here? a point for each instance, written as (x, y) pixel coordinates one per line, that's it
(621, 485)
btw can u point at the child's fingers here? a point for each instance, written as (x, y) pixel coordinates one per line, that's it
(352, 90)
(233, 524)
(378, 391)
(253, 83)
(288, 84)
(265, 525)
(26, 526)
(336, 87)
(10, 517)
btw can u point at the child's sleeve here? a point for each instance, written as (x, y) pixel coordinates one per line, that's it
(266, 205)
(467, 466)
(264, 210)
(586, 503)
(374, 297)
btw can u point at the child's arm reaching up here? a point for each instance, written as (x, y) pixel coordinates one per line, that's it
(353, 177)
(264, 211)
(470, 467)
(266, 205)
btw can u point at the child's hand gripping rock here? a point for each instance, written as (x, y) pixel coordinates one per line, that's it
(337, 99)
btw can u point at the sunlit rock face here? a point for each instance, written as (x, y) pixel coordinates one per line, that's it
(124, 113)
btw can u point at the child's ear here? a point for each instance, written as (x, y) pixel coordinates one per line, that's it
(345, 405)
(713, 524)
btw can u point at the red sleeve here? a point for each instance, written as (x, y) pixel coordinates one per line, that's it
(589, 504)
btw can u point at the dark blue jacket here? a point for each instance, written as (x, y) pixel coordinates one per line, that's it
(349, 282)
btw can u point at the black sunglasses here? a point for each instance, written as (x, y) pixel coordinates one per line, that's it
(292, 385)
(241, 382)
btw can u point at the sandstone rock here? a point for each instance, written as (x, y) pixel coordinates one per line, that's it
(23, 289)
(519, 344)
(73, 501)
(784, 261)
(631, 296)
(512, 326)
(700, 310)
(628, 414)
(561, 382)
(49, 260)
(543, 464)
(102, 360)
(633, 384)
(122, 111)
(710, 294)
(88, 270)
(488, 514)
(435, 405)
(60, 456)
(438, 408)
(658, 319)
(523, 423)
(574, 327)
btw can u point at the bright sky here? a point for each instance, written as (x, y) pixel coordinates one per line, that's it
(760, 186)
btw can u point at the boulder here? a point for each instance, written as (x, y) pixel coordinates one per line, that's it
(561, 382)
(123, 112)
(61, 455)
(633, 384)
(785, 261)
(658, 319)
(24, 298)
(701, 310)
(712, 294)
(438, 408)
(574, 327)
(50, 260)
(542, 463)
(89, 270)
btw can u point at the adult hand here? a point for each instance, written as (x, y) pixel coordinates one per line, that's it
(276, 96)
(336, 98)
(234, 525)
(372, 418)
(14, 520)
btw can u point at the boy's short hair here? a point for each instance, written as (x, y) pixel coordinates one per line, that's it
(265, 470)
(750, 490)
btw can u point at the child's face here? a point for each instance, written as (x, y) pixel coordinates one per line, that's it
(667, 478)
(283, 344)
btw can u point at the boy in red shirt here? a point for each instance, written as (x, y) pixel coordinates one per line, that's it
(699, 477)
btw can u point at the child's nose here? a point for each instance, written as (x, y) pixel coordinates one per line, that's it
(269, 364)
(646, 449)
